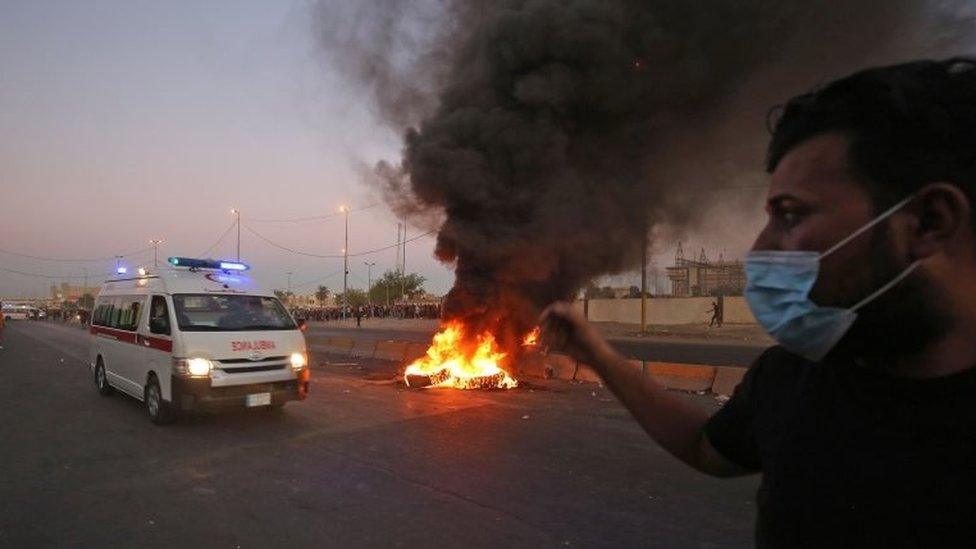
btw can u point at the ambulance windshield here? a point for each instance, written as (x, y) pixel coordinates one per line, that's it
(230, 313)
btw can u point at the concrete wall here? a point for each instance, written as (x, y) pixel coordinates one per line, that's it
(677, 310)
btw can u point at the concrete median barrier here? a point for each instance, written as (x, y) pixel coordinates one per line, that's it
(334, 345)
(390, 350)
(362, 348)
(560, 366)
(316, 341)
(720, 380)
(585, 373)
(414, 351)
(686, 377)
(726, 379)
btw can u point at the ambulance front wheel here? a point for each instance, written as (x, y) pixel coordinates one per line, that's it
(158, 409)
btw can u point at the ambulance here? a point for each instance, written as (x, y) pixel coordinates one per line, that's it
(197, 335)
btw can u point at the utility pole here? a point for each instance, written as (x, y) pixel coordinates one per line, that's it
(369, 284)
(155, 246)
(403, 264)
(399, 240)
(643, 324)
(345, 265)
(237, 212)
(289, 281)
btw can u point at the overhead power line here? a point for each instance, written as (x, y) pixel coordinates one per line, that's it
(314, 217)
(66, 260)
(317, 280)
(39, 275)
(219, 240)
(339, 256)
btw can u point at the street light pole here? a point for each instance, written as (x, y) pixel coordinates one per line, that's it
(345, 264)
(155, 245)
(237, 212)
(369, 283)
(643, 322)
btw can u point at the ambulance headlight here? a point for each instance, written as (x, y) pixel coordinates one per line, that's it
(194, 367)
(198, 366)
(298, 361)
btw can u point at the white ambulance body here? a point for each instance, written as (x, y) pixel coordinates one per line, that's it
(197, 335)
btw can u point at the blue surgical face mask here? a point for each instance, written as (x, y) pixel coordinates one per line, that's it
(778, 285)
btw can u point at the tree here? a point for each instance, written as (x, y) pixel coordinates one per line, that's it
(594, 292)
(393, 284)
(357, 298)
(322, 294)
(283, 295)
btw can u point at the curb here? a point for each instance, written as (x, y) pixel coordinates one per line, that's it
(720, 380)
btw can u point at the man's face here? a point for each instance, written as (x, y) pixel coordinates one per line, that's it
(815, 201)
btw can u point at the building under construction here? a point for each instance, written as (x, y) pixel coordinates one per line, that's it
(701, 277)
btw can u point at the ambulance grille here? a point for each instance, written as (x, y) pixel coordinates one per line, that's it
(249, 369)
(249, 361)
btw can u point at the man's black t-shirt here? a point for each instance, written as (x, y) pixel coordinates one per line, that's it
(851, 457)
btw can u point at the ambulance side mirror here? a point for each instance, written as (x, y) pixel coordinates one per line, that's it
(302, 325)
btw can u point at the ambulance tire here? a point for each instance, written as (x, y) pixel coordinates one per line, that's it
(101, 382)
(158, 409)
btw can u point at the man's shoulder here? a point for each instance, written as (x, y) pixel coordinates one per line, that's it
(778, 371)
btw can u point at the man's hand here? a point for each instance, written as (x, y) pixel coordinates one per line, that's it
(564, 330)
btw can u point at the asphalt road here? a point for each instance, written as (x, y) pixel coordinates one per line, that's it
(716, 352)
(355, 465)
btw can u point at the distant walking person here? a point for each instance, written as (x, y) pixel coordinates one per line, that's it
(716, 315)
(359, 317)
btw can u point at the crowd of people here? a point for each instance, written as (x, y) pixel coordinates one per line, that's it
(401, 310)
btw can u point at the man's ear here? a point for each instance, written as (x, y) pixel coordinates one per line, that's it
(942, 219)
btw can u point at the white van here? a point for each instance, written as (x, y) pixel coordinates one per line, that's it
(16, 312)
(197, 335)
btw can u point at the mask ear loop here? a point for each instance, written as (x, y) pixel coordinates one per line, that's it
(908, 270)
(885, 215)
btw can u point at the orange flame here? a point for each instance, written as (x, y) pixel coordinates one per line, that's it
(448, 364)
(532, 338)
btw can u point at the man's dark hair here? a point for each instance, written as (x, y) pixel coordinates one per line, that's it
(908, 124)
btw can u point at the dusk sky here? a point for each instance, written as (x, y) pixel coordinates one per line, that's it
(126, 121)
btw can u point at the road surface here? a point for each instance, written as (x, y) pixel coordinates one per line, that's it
(356, 464)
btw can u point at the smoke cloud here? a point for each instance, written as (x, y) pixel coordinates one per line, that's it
(545, 138)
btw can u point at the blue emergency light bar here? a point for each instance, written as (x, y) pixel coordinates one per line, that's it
(193, 263)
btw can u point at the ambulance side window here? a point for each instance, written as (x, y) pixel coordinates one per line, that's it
(159, 316)
(102, 307)
(129, 313)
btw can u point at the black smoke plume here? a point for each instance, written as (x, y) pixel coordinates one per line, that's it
(544, 135)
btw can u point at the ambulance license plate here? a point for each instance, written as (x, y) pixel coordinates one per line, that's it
(259, 399)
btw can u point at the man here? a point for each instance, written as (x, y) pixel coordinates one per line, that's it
(862, 421)
(716, 315)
